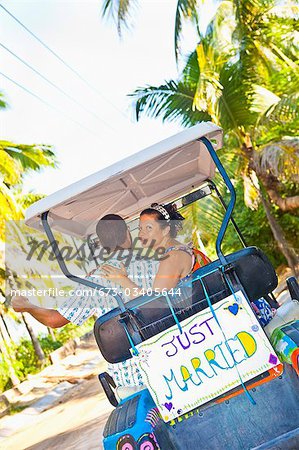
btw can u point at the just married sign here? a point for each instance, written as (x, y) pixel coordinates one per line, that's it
(185, 370)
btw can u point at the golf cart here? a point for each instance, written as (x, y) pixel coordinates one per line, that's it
(213, 378)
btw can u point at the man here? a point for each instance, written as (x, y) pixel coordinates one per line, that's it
(113, 234)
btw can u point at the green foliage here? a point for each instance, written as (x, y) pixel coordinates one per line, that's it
(23, 357)
(171, 101)
(5, 382)
(26, 356)
(119, 10)
(186, 9)
(206, 216)
(3, 103)
(254, 227)
(16, 160)
(71, 331)
(48, 345)
(243, 76)
(19, 159)
(13, 409)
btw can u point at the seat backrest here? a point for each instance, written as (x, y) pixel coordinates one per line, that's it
(250, 271)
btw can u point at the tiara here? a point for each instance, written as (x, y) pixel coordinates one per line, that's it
(163, 211)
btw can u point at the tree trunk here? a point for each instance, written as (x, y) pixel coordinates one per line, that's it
(8, 360)
(277, 231)
(51, 333)
(285, 204)
(279, 237)
(37, 347)
(271, 185)
(4, 329)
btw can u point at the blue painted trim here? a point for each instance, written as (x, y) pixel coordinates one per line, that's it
(174, 314)
(232, 201)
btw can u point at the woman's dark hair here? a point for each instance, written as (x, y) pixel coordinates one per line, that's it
(167, 216)
(112, 231)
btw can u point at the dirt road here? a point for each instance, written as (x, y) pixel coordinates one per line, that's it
(77, 422)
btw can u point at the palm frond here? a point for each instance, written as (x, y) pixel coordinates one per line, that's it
(234, 103)
(280, 159)
(10, 169)
(203, 72)
(284, 112)
(262, 99)
(171, 101)
(263, 36)
(31, 157)
(220, 30)
(186, 9)
(208, 90)
(25, 200)
(120, 11)
(9, 207)
(15, 161)
(190, 73)
(3, 103)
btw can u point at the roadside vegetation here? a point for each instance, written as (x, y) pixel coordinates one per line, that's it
(23, 359)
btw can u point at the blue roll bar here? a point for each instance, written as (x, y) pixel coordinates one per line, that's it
(229, 210)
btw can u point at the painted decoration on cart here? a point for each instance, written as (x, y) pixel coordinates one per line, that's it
(186, 369)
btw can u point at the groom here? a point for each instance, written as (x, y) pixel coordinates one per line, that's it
(113, 234)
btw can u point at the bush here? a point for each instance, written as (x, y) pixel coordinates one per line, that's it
(5, 382)
(71, 331)
(25, 355)
(24, 360)
(48, 345)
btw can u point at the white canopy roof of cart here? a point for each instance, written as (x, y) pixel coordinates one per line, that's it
(160, 173)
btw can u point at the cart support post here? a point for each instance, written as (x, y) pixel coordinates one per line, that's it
(232, 201)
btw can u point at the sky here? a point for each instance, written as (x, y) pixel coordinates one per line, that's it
(102, 129)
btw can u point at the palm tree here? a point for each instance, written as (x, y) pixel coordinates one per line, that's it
(170, 101)
(16, 160)
(6, 354)
(249, 16)
(7, 361)
(22, 274)
(220, 83)
(35, 342)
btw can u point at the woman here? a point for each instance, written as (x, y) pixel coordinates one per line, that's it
(158, 228)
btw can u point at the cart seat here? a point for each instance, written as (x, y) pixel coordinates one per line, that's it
(249, 270)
